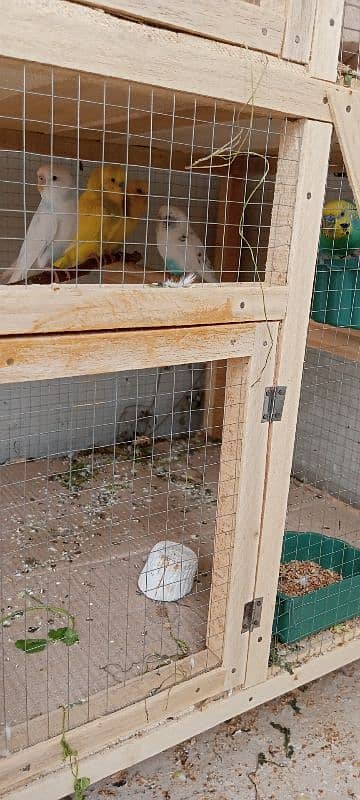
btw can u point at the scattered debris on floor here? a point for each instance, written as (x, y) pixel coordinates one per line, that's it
(248, 757)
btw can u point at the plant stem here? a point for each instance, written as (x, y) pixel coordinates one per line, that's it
(41, 607)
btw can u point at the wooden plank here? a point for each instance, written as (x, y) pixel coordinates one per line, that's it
(24, 358)
(339, 342)
(126, 722)
(226, 241)
(247, 497)
(58, 32)
(345, 112)
(115, 698)
(48, 309)
(326, 41)
(299, 30)
(55, 780)
(235, 391)
(313, 164)
(215, 378)
(90, 149)
(283, 204)
(240, 23)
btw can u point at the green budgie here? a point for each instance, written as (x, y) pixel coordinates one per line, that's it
(340, 229)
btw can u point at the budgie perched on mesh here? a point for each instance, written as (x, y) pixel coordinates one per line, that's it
(101, 208)
(53, 225)
(340, 229)
(180, 247)
(135, 205)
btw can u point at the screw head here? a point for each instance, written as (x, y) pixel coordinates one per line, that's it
(348, 109)
(308, 196)
(264, 31)
(297, 39)
(331, 22)
(242, 304)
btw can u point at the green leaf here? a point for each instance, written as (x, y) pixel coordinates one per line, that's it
(31, 645)
(70, 637)
(80, 786)
(56, 633)
(66, 635)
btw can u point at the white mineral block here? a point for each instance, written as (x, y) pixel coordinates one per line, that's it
(169, 572)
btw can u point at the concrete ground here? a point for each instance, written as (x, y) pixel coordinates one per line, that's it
(323, 720)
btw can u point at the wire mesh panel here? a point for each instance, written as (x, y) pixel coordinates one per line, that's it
(104, 181)
(109, 508)
(318, 603)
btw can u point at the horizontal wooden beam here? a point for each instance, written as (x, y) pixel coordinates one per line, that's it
(59, 32)
(119, 697)
(58, 308)
(25, 358)
(238, 22)
(91, 149)
(167, 701)
(47, 777)
(339, 342)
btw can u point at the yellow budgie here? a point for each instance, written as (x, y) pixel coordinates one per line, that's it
(134, 208)
(101, 211)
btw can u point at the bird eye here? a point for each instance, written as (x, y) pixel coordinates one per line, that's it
(54, 177)
(112, 180)
(342, 214)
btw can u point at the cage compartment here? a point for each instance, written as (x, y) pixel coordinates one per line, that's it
(296, 617)
(165, 142)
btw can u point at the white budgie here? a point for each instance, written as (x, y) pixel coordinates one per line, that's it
(52, 227)
(180, 247)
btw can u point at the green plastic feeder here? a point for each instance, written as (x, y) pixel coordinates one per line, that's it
(320, 293)
(336, 295)
(296, 617)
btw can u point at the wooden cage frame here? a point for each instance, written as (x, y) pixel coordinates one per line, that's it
(299, 60)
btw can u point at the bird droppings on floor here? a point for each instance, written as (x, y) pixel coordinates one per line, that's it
(303, 746)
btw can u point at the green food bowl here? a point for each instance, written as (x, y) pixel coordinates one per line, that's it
(336, 294)
(296, 617)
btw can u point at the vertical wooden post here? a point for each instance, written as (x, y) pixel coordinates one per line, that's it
(226, 264)
(300, 15)
(326, 42)
(312, 141)
(240, 497)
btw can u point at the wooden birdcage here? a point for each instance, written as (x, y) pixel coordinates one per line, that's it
(160, 92)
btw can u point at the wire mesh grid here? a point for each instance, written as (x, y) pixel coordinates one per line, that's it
(318, 605)
(350, 39)
(136, 184)
(95, 473)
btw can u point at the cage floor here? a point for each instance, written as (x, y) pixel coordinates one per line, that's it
(83, 548)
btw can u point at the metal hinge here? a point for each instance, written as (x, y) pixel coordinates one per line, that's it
(273, 403)
(252, 615)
